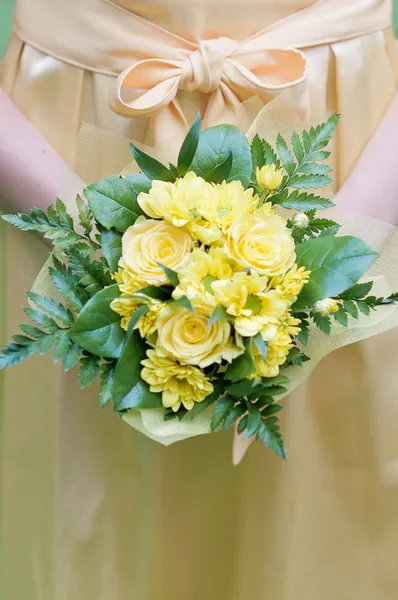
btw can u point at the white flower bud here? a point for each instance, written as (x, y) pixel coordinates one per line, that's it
(300, 221)
(326, 307)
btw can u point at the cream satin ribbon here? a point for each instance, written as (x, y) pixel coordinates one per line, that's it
(157, 64)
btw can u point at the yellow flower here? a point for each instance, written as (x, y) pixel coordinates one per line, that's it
(174, 202)
(291, 284)
(237, 292)
(127, 282)
(188, 337)
(179, 384)
(148, 243)
(326, 307)
(203, 268)
(289, 325)
(269, 178)
(271, 307)
(126, 306)
(261, 242)
(223, 203)
(277, 351)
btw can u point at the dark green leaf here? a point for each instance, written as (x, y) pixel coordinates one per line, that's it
(223, 407)
(351, 308)
(309, 182)
(188, 148)
(296, 358)
(113, 203)
(257, 153)
(304, 334)
(171, 275)
(72, 358)
(151, 167)
(54, 310)
(275, 381)
(107, 371)
(335, 265)
(140, 312)
(97, 328)
(242, 388)
(363, 307)
(111, 243)
(221, 171)
(41, 319)
(68, 285)
(323, 323)
(89, 368)
(184, 302)
(85, 215)
(128, 389)
(139, 182)
(242, 424)
(201, 406)
(91, 273)
(269, 155)
(243, 366)
(301, 201)
(357, 292)
(341, 317)
(269, 435)
(254, 419)
(214, 147)
(233, 415)
(297, 147)
(162, 292)
(61, 347)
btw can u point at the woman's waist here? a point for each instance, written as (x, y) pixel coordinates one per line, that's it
(104, 37)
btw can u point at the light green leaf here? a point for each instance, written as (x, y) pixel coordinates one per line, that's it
(89, 368)
(61, 347)
(97, 328)
(309, 182)
(363, 307)
(301, 201)
(183, 302)
(341, 317)
(351, 308)
(219, 313)
(171, 275)
(323, 323)
(214, 147)
(260, 345)
(72, 358)
(107, 371)
(336, 264)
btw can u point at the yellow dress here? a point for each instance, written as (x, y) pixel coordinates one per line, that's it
(90, 508)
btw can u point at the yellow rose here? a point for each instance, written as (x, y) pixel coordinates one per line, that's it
(179, 384)
(261, 242)
(188, 337)
(269, 178)
(148, 243)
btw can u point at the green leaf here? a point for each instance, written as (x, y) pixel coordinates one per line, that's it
(321, 135)
(304, 334)
(97, 328)
(139, 182)
(301, 201)
(219, 313)
(107, 371)
(12, 354)
(312, 168)
(32, 331)
(317, 225)
(89, 369)
(91, 273)
(221, 171)
(224, 406)
(113, 203)
(140, 312)
(269, 435)
(243, 366)
(85, 215)
(171, 275)
(201, 406)
(257, 153)
(233, 415)
(61, 347)
(73, 357)
(68, 285)
(128, 389)
(184, 302)
(285, 155)
(357, 291)
(254, 420)
(261, 345)
(54, 310)
(41, 319)
(214, 147)
(275, 381)
(188, 148)
(242, 388)
(341, 317)
(309, 182)
(111, 243)
(242, 424)
(323, 323)
(296, 358)
(363, 307)
(351, 308)
(151, 167)
(297, 147)
(269, 155)
(162, 292)
(335, 265)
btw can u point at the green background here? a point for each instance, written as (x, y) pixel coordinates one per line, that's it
(6, 16)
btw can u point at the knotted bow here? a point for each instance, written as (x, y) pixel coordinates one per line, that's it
(226, 71)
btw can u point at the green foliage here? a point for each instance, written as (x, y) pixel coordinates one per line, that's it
(202, 406)
(151, 167)
(97, 328)
(296, 358)
(285, 155)
(113, 203)
(219, 313)
(90, 366)
(68, 285)
(243, 366)
(357, 292)
(128, 389)
(172, 276)
(300, 201)
(336, 264)
(304, 334)
(93, 275)
(111, 244)
(262, 154)
(85, 216)
(188, 148)
(215, 145)
(221, 171)
(183, 302)
(323, 323)
(52, 308)
(341, 316)
(56, 225)
(107, 371)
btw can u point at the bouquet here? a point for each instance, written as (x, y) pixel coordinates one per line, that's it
(193, 289)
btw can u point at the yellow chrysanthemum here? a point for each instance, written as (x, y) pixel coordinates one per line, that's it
(291, 284)
(277, 352)
(223, 203)
(179, 384)
(268, 309)
(237, 294)
(127, 281)
(126, 305)
(269, 178)
(202, 269)
(289, 325)
(146, 325)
